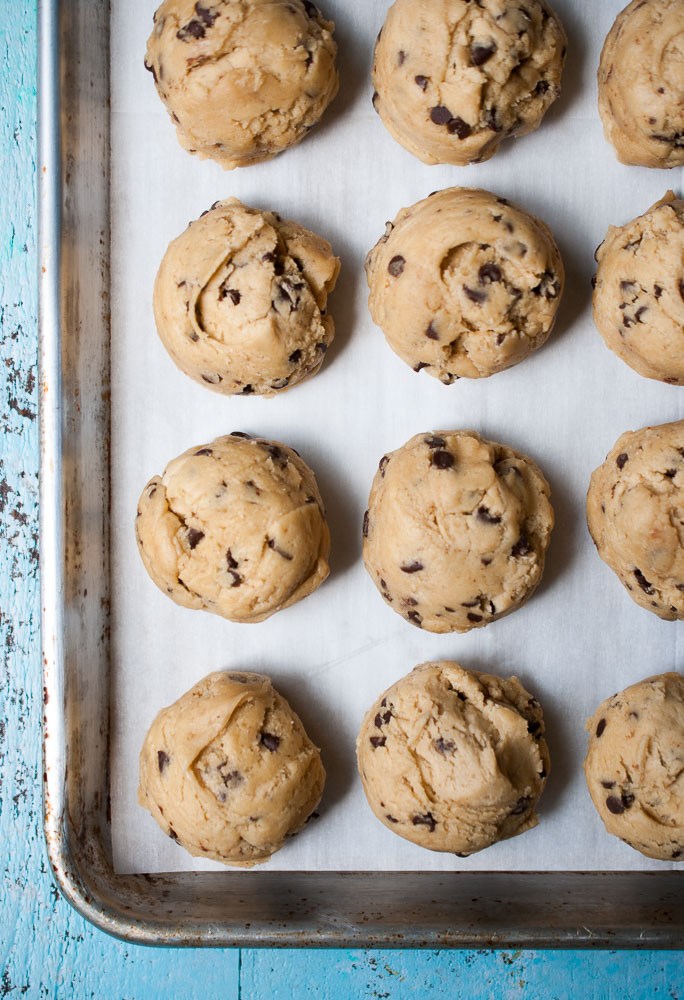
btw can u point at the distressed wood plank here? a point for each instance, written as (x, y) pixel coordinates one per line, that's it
(46, 950)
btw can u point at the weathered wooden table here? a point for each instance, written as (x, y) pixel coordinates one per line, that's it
(46, 950)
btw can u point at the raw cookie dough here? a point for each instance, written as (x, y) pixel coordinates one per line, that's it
(240, 300)
(228, 771)
(236, 527)
(463, 284)
(452, 759)
(453, 79)
(635, 513)
(456, 530)
(641, 84)
(242, 79)
(635, 765)
(639, 291)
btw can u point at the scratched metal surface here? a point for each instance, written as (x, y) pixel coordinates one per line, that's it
(46, 950)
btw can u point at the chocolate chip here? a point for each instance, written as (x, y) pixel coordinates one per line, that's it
(415, 617)
(396, 266)
(409, 602)
(522, 547)
(247, 390)
(657, 291)
(459, 128)
(676, 854)
(194, 537)
(475, 295)
(269, 740)
(231, 293)
(444, 746)
(295, 357)
(435, 441)
(193, 29)
(419, 367)
(431, 333)
(627, 800)
(442, 460)
(381, 719)
(473, 618)
(377, 741)
(608, 784)
(670, 473)
(412, 567)
(541, 88)
(549, 286)
(521, 806)
(206, 14)
(489, 273)
(203, 451)
(365, 524)
(401, 57)
(172, 834)
(422, 81)
(440, 115)
(615, 805)
(622, 459)
(484, 514)
(275, 259)
(600, 727)
(480, 54)
(163, 760)
(276, 453)
(533, 727)
(281, 552)
(311, 9)
(643, 582)
(382, 465)
(232, 563)
(425, 819)
(393, 820)
(639, 313)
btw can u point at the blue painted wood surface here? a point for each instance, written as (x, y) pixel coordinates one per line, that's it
(46, 950)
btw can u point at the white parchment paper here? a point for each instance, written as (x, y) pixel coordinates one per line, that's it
(580, 638)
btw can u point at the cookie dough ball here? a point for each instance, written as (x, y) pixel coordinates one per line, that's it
(456, 530)
(236, 527)
(454, 78)
(463, 284)
(635, 513)
(639, 291)
(641, 84)
(242, 80)
(240, 300)
(635, 765)
(454, 760)
(228, 770)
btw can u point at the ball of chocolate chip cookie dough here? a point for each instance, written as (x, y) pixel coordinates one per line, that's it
(464, 285)
(641, 84)
(635, 765)
(228, 770)
(456, 530)
(453, 79)
(635, 514)
(452, 759)
(638, 301)
(240, 300)
(236, 527)
(242, 81)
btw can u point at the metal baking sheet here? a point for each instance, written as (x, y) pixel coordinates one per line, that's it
(565, 406)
